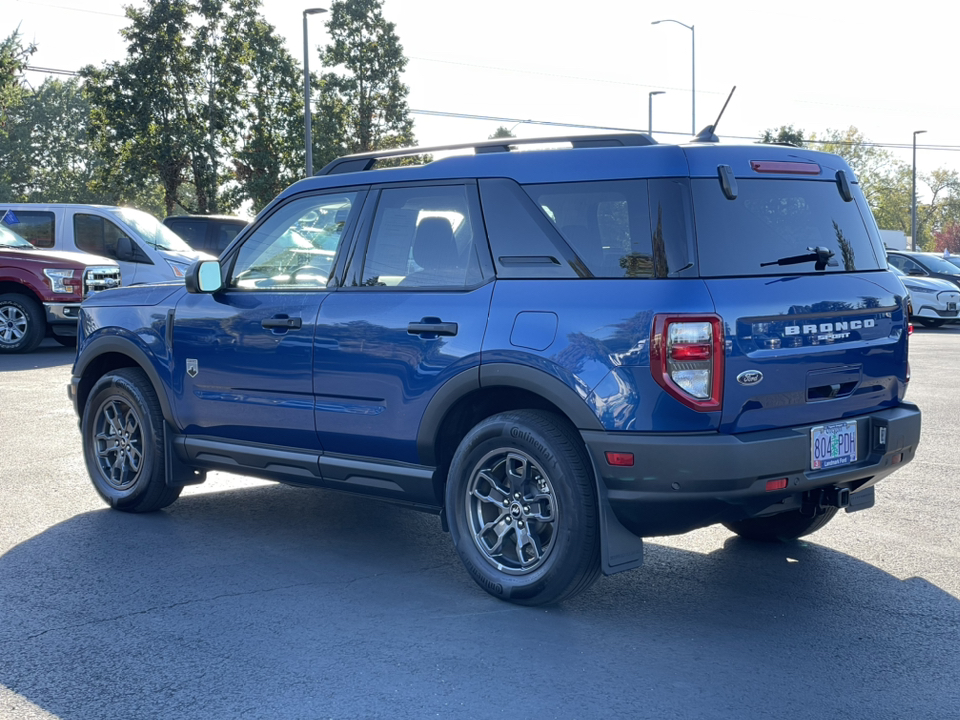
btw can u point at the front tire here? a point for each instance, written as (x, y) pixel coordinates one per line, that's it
(781, 528)
(122, 431)
(22, 323)
(522, 508)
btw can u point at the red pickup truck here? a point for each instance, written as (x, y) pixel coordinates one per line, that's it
(41, 291)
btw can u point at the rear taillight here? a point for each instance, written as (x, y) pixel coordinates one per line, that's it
(686, 359)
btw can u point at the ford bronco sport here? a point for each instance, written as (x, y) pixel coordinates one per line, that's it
(558, 352)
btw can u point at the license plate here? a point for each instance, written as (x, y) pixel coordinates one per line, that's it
(951, 306)
(833, 445)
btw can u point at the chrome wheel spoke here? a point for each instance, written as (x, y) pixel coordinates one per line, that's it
(495, 494)
(529, 552)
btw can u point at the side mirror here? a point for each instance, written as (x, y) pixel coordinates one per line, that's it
(203, 276)
(125, 250)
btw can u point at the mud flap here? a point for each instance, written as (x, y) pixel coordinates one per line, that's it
(620, 549)
(178, 473)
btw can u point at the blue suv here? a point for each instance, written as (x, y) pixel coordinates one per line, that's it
(558, 352)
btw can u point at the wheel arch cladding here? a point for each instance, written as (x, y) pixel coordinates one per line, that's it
(110, 353)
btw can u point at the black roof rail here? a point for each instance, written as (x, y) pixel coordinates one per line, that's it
(365, 161)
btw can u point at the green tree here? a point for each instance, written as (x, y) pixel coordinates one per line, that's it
(270, 154)
(167, 111)
(14, 167)
(783, 135)
(362, 98)
(501, 132)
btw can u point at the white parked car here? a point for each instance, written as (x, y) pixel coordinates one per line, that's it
(934, 301)
(146, 250)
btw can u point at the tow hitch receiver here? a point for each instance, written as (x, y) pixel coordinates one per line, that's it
(815, 501)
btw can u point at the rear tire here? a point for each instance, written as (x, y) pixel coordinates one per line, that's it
(781, 528)
(22, 323)
(930, 322)
(122, 433)
(522, 509)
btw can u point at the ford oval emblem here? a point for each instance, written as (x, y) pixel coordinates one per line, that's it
(749, 377)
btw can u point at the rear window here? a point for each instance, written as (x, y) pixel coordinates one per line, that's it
(778, 220)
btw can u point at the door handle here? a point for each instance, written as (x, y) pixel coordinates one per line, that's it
(432, 328)
(283, 322)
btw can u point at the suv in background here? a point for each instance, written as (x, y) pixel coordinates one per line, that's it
(558, 352)
(924, 264)
(207, 233)
(40, 292)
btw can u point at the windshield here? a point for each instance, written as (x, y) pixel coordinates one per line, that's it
(935, 263)
(777, 227)
(955, 259)
(9, 239)
(153, 232)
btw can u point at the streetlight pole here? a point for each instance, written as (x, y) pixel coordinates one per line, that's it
(650, 109)
(307, 129)
(693, 72)
(913, 196)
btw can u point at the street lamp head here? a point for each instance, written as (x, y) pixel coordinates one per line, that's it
(314, 11)
(657, 92)
(919, 132)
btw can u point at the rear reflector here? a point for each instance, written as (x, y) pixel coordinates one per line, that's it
(785, 168)
(620, 459)
(780, 484)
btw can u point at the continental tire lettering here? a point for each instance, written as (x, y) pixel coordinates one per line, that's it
(488, 584)
(519, 434)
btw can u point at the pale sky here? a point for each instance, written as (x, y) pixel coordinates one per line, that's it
(888, 70)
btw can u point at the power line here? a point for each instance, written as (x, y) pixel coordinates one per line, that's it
(74, 9)
(587, 126)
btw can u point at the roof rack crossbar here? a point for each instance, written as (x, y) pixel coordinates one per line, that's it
(360, 162)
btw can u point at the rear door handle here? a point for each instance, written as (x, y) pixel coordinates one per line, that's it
(282, 321)
(432, 328)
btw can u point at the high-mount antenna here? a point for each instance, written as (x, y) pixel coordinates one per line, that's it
(707, 134)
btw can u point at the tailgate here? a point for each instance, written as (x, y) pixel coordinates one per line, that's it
(810, 348)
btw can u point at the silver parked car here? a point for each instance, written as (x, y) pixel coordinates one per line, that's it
(934, 301)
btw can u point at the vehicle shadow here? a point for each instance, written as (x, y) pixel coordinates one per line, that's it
(49, 354)
(277, 602)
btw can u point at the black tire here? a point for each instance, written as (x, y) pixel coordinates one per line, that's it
(22, 323)
(69, 341)
(781, 528)
(524, 478)
(930, 322)
(122, 431)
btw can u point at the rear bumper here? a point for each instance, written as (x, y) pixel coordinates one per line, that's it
(683, 482)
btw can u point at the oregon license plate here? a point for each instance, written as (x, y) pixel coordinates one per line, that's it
(833, 445)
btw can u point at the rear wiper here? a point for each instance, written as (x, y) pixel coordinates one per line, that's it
(819, 255)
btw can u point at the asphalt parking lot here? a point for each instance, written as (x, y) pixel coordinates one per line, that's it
(253, 600)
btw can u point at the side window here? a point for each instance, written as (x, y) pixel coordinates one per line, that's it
(425, 237)
(97, 235)
(912, 268)
(191, 230)
(606, 223)
(896, 261)
(36, 226)
(294, 248)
